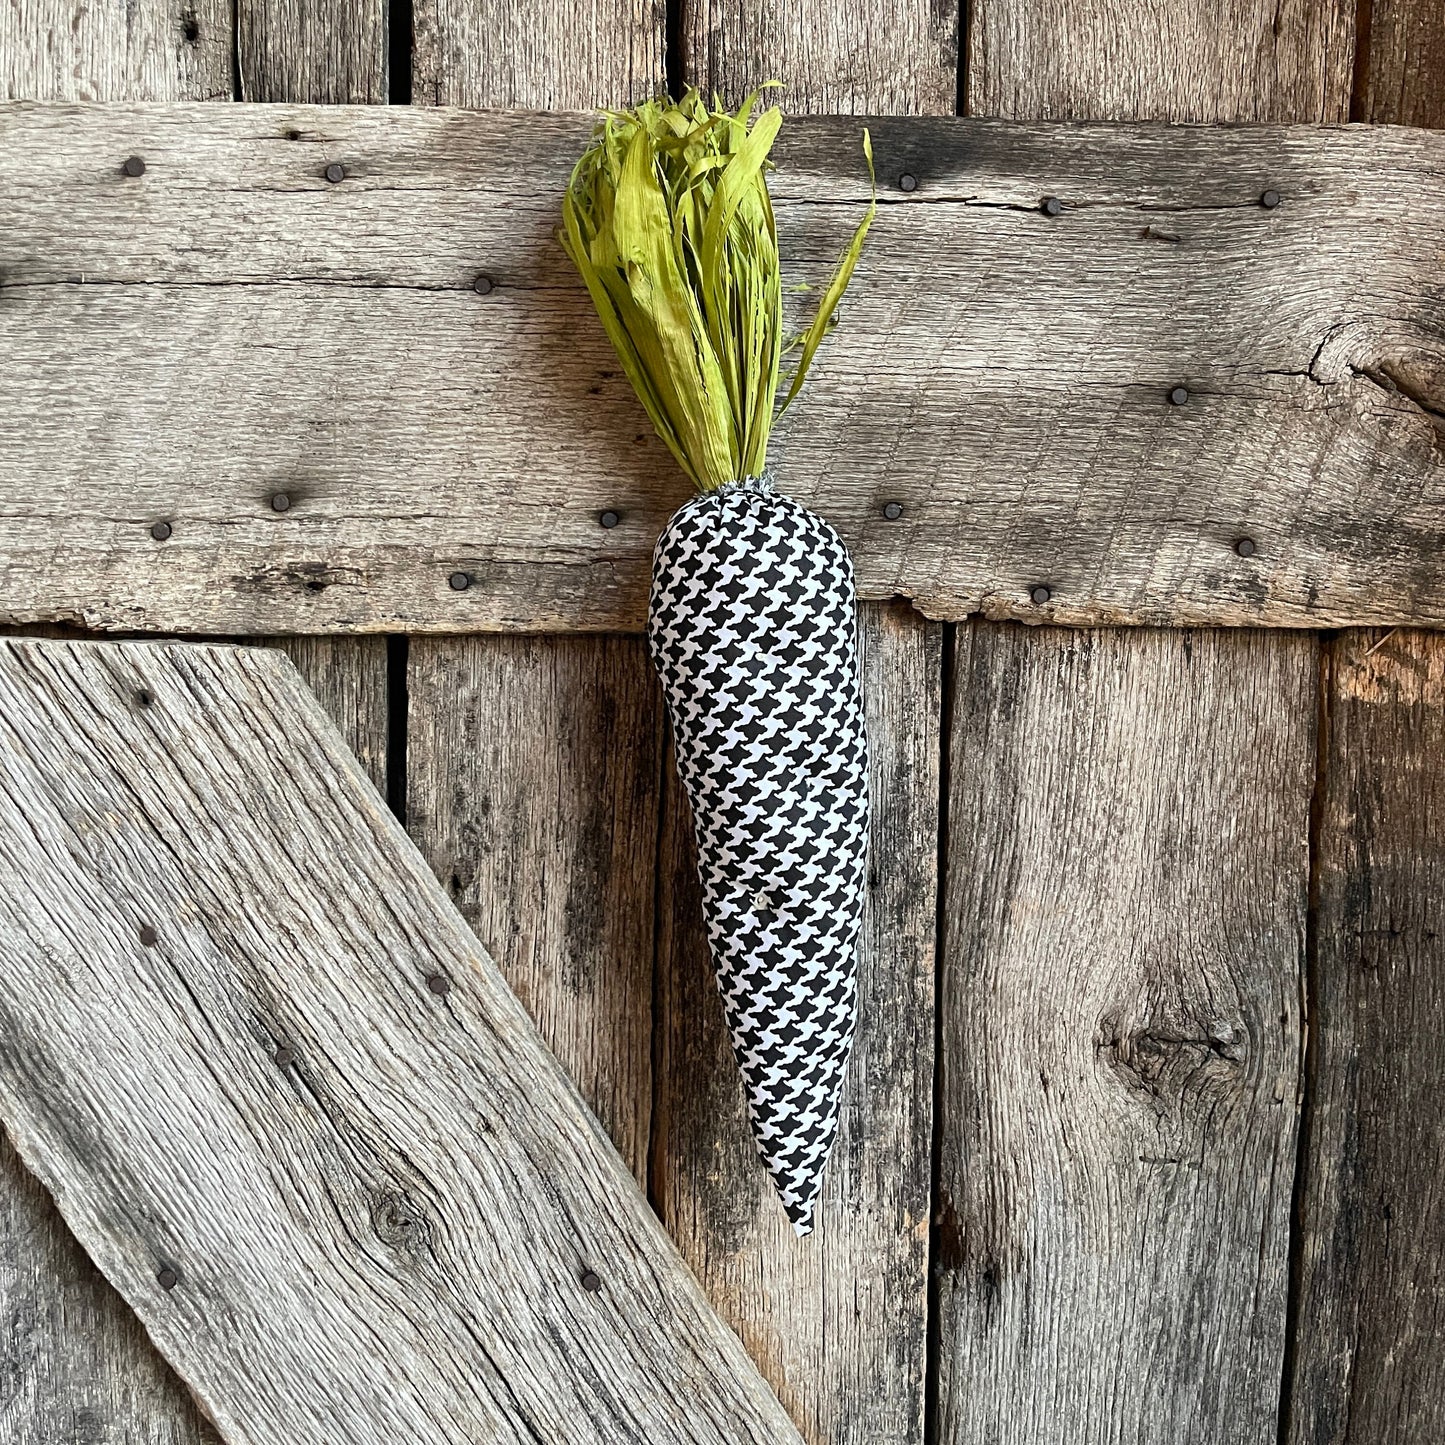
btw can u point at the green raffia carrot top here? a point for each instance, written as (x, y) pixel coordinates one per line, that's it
(668, 220)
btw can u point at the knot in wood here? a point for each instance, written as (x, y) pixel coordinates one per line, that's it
(399, 1222)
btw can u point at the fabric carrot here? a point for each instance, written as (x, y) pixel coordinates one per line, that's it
(752, 619)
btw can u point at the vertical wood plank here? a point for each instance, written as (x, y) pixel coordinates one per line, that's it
(1080, 1237)
(532, 786)
(838, 1321)
(349, 677)
(75, 1363)
(538, 54)
(143, 50)
(1125, 905)
(1369, 1365)
(331, 52)
(532, 774)
(1403, 72)
(876, 58)
(1187, 60)
(1369, 1362)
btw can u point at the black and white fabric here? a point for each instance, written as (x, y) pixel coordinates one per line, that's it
(753, 630)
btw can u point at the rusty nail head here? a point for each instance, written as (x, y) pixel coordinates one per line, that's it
(893, 511)
(1178, 395)
(167, 1278)
(285, 1055)
(438, 983)
(148, 936)
(1270, 199)
(1051, 206)
(610, 519)
(459, 581)
(907, 181)
(335, 173)
(280, 502)
(1246, 547)
(483, 285)
(134, 166)
(160, 530)
(591, 1281)
(1040, 594)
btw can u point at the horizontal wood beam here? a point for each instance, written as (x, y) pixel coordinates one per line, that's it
(289, 1106)
(180, 347)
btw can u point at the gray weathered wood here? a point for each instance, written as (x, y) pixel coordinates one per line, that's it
(543, 54)
(328, 51)
(532, 787)
(1185, 60)
(868, 57)
(533, 778)
(140, 50)
(385, 1236)
(1121, 1033)
(348, 675)
(837, 1321)
(1369, 1367)
(76, 1367)
(1015, 404)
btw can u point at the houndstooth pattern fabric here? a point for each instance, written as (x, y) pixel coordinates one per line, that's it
(753, 629)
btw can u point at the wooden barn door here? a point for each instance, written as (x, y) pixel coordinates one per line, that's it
(1139, 1143)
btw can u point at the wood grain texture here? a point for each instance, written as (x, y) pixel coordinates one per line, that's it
(1369, 1368)
(532, 790)
(1121, 1033)
(1187, 60)
(1023, 454)
(385, 1236)
(328, 51)
(870, 57)
(348, 676)
(837, 1321)
(141, 50)
(1368, 1365)
(538, 54)
(1402, 70)
(76, 1367)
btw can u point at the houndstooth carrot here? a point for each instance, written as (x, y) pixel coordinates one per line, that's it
(752, 617)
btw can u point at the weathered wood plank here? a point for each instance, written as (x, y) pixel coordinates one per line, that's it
(1403, 45)
(1041, 349)
(1150, 1253)
(142, 50)
(1187, 60)
(545, 56)
(1369, 1367)
(874, 57)
(385, 1234)
(76, 1367)
(532, 787)
(1121, 1033)
(348, 675)
(534, 771)
(837, 1321)
(328, 51)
